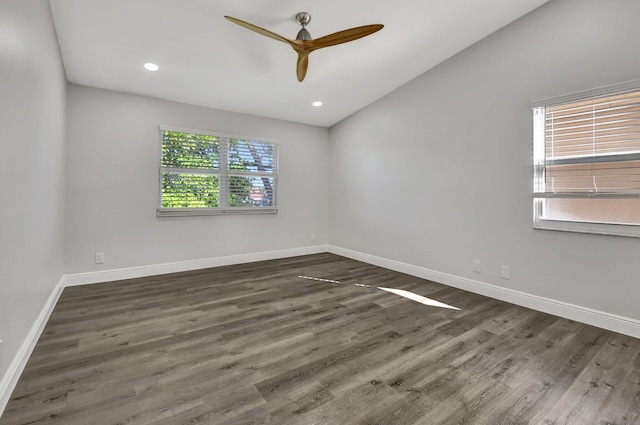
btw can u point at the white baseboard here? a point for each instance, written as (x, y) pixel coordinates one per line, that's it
(612, 322)
(10, 379)
(182, 266)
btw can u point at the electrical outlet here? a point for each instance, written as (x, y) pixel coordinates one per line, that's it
(506, 272)
(312, 237)
(99, 257)
(476, 266)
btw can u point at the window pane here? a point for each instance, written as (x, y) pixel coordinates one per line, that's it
(249, 155)
(190, 191)
(618, 177)
(251, 191)
(592, 210)
(187, 150)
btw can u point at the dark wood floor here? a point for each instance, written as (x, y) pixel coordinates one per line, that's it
(257, 344)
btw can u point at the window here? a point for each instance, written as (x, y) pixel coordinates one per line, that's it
(587, 162)
(203, 173)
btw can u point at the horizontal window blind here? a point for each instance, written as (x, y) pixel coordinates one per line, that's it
(590, 148)
(216, 174)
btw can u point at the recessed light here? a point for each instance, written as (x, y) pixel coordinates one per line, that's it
(151, 66)
(317, 103)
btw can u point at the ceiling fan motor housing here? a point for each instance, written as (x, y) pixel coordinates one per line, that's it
(303, 34)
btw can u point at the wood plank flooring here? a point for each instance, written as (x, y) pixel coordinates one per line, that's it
(257, 344)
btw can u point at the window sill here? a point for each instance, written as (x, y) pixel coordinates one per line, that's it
(184, 212)
(625, 230)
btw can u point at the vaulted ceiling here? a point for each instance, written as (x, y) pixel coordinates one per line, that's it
(207, 60)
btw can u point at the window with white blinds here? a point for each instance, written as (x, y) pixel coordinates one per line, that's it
(203, 173)
(587, 163)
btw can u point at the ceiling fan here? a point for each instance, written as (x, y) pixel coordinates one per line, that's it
(304, 44)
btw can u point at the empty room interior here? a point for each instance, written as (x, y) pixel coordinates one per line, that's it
(424, 212)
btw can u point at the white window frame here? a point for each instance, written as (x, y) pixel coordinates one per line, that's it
(613, 229)
(224, 173)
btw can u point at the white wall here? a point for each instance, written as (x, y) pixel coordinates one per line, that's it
(112, 185)
(439, 172)
(32, 109)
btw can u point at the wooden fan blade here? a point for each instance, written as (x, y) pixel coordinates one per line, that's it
(303, 64)
(260, 30)
(344, 36)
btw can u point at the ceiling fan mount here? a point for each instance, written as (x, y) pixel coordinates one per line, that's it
(303, 18)
(304, 44)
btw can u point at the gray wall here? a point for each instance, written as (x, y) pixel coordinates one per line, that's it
(112, 185)
(32, 109)
(439, 172)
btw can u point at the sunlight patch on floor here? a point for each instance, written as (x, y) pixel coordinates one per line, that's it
(418, 298)
(403, 293)
(318, 279)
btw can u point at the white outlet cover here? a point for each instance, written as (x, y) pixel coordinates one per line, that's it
(476, 266)
(506, 272)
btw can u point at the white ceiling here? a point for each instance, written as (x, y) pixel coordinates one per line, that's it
(207, 60)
